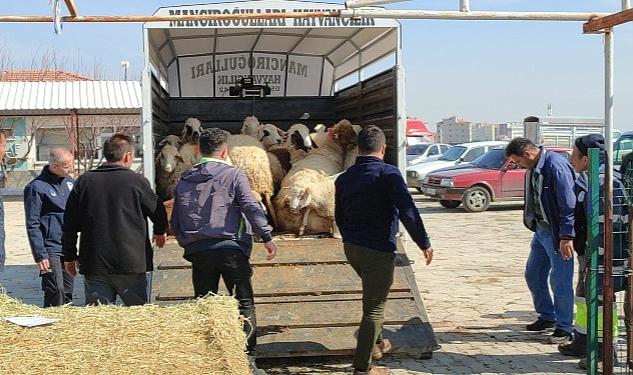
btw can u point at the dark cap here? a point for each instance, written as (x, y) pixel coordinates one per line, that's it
(588, 141)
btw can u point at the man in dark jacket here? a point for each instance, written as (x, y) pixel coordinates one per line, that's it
(44, 204)
(549, 213)
(213, 218)
(109, 206)
(3, 147)
(371, 196)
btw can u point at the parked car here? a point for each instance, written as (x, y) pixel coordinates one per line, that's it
(491, 177)
(462, 153)
(425, 151)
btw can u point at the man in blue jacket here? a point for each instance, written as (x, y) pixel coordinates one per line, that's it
(44, 204)
(371, 196)
(548, 212)
(213, 218)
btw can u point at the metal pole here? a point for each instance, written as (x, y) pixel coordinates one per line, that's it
(464, 5)
(472, 15)
(608, 294)
(626, 4)
(368, 3)
(628, 300)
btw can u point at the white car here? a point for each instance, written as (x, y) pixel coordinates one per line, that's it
(462, 153)
(423, 152)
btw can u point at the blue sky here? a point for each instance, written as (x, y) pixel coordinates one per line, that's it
(478, 70)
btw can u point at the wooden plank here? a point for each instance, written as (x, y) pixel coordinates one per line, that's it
(276, 300)
(601, 24)
(279, 281)
(307, 251)
(414, 339)
(317, 314)
(72, 9)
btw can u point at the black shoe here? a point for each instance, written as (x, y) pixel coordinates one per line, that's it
(540, 325)
(573, 349)
(559, 336)
(253, 366)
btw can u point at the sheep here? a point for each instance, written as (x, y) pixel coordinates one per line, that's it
(191, 131)
(319, 137)
(173, 140)
(270, 135)
(250, 125)
(316, 224)
(298, 137)
(169, 168)
(247, 153)
(309, 190)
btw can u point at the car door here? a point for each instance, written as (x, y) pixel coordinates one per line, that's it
(512, 180)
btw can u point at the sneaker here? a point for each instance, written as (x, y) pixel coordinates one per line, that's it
(559, 336)
(540, 325)
(572, 349)
(374, 371)
(381, 349)
(253, 366)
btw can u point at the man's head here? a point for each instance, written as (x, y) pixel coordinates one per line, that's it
(214, 142)
(60, 162)
(580, 152)
(119, 149)
(523, 152)
(372, 141)
(3, 145)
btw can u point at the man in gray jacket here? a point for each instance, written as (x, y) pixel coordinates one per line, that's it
(213, 217)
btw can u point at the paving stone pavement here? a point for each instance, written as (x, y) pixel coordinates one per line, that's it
(474, 293)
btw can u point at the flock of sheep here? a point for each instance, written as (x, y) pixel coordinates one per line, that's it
(291, 173)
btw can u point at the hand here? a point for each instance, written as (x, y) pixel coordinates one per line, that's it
(271, 249)
(428, 255)
(159, 240)
(72, 267)
(43, 265)
(567, 249)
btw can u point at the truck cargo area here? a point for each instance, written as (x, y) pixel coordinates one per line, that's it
(308, 300)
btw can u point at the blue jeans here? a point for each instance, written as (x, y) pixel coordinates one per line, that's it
(545, 263)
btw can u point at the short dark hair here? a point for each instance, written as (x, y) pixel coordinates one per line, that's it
(212, 140)
(115, 148)
(518, 145)
(371, 139)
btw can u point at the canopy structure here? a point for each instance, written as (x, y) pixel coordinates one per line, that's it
(322, 50)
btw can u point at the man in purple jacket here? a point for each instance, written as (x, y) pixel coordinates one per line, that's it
(213, 218)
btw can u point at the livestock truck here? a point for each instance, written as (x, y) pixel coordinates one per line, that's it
(315, 70)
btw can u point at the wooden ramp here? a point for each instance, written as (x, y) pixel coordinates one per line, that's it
(308, 300)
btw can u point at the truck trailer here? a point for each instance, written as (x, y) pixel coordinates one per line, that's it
(314, 71)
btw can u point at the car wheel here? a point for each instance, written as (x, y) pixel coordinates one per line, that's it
(476, 199)
(450, 204)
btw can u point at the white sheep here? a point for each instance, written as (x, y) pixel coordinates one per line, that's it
(298, 137)
(191, 131)
(247, 153)
(270, 135)
(309, 190)
(250, 125)
(319, 137)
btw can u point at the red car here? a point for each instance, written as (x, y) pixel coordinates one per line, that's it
(491, 177)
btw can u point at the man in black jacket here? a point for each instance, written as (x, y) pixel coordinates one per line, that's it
(371, 196)
(109, 206)
(44, 204)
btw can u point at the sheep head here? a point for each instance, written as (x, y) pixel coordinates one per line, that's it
(191, 130)
(173, 140)
(299, 137)
(270, 135)
(250, 125)
(168, 158)
(343, 134)
(298, 197)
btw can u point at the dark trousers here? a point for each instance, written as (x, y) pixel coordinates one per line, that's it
(234, 268)
(57, 284)
(103, 289)
(375, 269)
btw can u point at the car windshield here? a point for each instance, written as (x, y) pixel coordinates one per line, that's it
(492, 159)
(416, 149)
(453, 153)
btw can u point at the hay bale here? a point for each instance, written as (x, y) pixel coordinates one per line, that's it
(204, 337)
